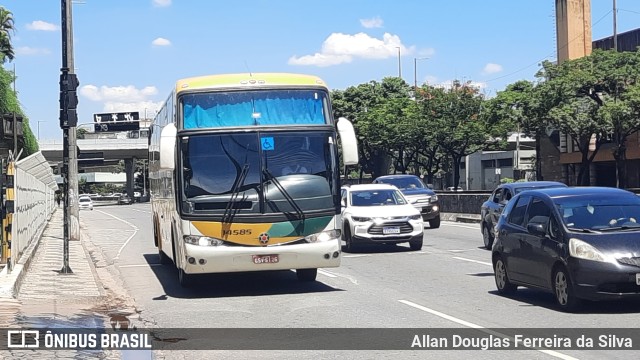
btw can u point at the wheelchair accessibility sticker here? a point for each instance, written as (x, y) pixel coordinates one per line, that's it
(267, 143)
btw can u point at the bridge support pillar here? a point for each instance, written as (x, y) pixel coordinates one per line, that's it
(129, 169)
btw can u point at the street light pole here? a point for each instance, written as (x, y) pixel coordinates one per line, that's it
(39, 121)
(399, 63)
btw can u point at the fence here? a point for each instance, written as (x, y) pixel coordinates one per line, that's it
(29, 204)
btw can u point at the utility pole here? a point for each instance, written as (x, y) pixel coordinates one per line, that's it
(615, 26)
(68, 123)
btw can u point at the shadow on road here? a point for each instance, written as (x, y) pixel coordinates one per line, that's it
(232, 284)
(547, 300)
(378, 249)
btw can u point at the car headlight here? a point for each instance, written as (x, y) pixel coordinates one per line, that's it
(360, 219)
(434, 198)
(415, 217)
(202, 240)
(582, 250)
(423, 200)
(324, 236)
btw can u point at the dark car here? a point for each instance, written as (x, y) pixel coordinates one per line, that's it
(492, 208)
(420, 196)
(124, 199)
(577, 243)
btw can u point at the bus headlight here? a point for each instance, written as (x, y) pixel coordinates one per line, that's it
(202, 240)
(323, 236)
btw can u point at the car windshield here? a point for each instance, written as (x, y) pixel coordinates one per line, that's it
(376, 197)
(84, 200)
(404, 183)
(601, 215)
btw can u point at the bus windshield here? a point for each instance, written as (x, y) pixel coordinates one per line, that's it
(254, 108)
(260, 172)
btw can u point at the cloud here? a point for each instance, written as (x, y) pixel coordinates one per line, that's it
(161, 42)
(491, 68)
(39, 25)
(29, 51)
(117, 93)
(142, 107)
(161, 3)
(341, 48)
(123, 98)
(375, 22)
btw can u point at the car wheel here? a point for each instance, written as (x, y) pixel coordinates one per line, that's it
(416, 245)
(563, 289)
(487, 237)
(348, 240)
(434, 223)
(306, 274)
(186, 280)
(502, 277)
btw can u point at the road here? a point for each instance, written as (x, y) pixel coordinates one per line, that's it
(448, 284)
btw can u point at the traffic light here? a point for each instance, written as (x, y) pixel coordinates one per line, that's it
(68, 100)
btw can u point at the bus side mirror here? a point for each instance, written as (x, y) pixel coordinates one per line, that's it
(348, 142)
(168, 147)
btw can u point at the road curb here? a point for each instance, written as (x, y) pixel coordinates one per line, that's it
(456, 217)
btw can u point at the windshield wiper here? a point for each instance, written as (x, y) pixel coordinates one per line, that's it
(235, 191)
(284, 192)
(581, 230)
(623, 227)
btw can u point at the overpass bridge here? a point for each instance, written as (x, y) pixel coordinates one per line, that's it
(113, 150)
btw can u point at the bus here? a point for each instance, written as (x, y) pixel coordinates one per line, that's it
(244, 175)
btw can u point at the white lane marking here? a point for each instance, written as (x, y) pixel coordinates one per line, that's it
(327, 273)
(355, 256)
(135, 228)
(481, 328)
(142, 211)
(475, 261)
(457, 251)
(461, 226)
(138, 265)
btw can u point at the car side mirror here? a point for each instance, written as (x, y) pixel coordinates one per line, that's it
(537, 229)
(342, 203)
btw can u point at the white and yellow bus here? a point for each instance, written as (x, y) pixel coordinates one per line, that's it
(244, 175)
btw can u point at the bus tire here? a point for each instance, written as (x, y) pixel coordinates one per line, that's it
(186, 280)
(307, 274)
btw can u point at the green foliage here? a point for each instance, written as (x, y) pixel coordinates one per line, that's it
(6, 29)
(9, 104)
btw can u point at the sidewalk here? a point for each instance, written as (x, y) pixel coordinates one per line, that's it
(36, 276)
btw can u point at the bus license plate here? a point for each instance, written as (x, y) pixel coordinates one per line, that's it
(265, 259)
(637, 279)
(391, 230)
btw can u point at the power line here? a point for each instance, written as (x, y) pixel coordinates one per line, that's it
(548, 56)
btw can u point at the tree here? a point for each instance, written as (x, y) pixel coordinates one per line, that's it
(457, 122)
(593, 102)
(355, 103)
(6, 30)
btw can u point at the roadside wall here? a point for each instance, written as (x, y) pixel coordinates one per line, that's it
(34, 189)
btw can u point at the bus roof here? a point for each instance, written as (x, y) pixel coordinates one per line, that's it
(247, 80)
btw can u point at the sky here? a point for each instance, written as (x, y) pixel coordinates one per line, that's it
(128, 54)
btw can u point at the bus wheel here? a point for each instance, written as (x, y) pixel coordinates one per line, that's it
(307, 274)
(186, 280)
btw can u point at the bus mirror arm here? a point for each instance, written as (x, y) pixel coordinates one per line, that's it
(168, 147)
(348, 141)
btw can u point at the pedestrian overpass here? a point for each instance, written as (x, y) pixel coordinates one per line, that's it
(113, 150)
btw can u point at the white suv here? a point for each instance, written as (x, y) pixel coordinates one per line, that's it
(379, 213)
